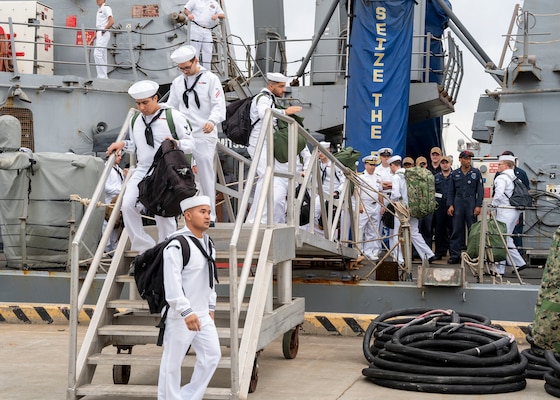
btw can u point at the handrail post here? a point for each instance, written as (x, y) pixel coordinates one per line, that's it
(14, 52)
(86, 52)
(482, 241)
(131, 50)
(75, 273)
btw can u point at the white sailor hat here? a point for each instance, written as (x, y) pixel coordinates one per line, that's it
(276, 77)
(326, 145)
(394, 158)
(183, 54)
(385, 151)
(143, 90)
(506, 157)
(194, 201)
(371, 159)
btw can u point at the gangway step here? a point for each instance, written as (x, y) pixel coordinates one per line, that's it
(148, 331)
(142, 391)
(142, 305)
(144, 359)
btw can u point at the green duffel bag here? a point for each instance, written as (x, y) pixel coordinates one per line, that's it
(493, 240)
(281, 139)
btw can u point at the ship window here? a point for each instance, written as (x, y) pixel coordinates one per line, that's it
(25, 117)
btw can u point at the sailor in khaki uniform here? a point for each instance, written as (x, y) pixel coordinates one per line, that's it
(191, 294)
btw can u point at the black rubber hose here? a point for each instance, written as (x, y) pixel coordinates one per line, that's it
(386, 321)
(496, 371)
(453, 389)
(552, 384)
(534, 358)
(373, 372)
(449, 358)
(552, 362)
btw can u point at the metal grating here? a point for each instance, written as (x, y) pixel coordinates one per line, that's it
(25, 117)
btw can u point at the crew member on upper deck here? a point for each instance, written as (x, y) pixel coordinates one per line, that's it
(103, 21)
(204, 15)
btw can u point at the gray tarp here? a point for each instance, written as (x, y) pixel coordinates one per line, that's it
(39, 195)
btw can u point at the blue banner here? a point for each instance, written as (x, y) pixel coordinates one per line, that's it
(379, 75)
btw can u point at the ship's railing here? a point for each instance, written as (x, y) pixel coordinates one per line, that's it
(64, 50)
(444, 66)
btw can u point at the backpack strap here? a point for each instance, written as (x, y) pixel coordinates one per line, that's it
(213, 272)
(263, 93)
(186, 250)
(168, 118)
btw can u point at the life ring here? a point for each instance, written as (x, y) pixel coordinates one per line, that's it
(5, 52)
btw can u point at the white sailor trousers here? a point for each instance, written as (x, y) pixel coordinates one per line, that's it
(509, 216)
(204, 153)
(139, 239)
(176, 342)
(201, 40)
(100, 54)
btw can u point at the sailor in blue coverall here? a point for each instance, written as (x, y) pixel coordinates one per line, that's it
(464, 203)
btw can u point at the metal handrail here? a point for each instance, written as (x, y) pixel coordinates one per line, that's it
(77, 296)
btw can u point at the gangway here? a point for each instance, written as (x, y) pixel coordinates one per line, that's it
(250, 313)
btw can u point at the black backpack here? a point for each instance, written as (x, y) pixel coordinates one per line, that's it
(168, 181)
(147, 269)
(237, 126)
(520, 197)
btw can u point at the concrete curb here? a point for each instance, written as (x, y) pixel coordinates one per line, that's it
(313, 324)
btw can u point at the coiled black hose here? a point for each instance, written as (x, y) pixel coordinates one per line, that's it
(441, 351)
(382, 328)
(551, 378)
(538, 366)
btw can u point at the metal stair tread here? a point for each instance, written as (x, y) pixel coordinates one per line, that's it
(144, 359)
(145, 330)
(143, 391)
(142, 305)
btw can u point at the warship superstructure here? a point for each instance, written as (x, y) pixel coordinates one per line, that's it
(48, 82)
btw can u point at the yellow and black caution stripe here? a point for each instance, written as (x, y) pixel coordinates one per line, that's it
(356, 325)
(46, 314)
(314, 323)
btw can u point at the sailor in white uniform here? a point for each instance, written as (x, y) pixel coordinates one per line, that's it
(503, 189)
(198, 94)
(103, 21)
(384, 180)
(266, 99)
(146, 136)
(369, 208)
(399, 193)
(204, 15)
(191, 294)
(332, 180)
(113, 187)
